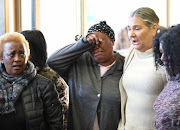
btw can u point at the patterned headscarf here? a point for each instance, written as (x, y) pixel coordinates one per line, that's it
(103, 28)
(11, 87)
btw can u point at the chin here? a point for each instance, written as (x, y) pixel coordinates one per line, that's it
(100, 61)
(137, 48)
(17, 73)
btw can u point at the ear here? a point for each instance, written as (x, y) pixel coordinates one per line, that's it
(154, 28)
(112, 43)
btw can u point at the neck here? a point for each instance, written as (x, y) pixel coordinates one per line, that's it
(110, 61)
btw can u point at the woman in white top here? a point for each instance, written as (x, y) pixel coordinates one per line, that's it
(141, 83)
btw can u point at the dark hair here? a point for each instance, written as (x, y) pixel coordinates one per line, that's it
(156, 43)
(171, 47)
(38, 47)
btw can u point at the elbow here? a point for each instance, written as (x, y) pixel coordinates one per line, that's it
(49, 63)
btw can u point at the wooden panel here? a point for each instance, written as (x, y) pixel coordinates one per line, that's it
(17, 15)
(37, 14)
(6, 16)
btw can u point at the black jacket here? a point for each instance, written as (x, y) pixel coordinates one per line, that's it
(41, 104)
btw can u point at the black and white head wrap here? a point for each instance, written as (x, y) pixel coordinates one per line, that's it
(103, 28)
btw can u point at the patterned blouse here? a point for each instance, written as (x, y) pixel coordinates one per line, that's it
(167, 106)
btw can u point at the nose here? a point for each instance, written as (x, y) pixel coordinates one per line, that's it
(96, 47)
(17, 58)
(131, 33)
(162, 57)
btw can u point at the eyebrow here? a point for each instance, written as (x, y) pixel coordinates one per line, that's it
(134, 26)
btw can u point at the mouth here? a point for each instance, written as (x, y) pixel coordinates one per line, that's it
(17, 67)
(135, 42)
(98, 53)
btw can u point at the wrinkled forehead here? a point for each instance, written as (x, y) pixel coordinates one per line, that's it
(14, 46)
(134, 21)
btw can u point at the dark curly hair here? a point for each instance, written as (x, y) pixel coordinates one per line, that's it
(156, 43)
(171, 49)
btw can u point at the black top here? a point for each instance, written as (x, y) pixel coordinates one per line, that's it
(15, 120)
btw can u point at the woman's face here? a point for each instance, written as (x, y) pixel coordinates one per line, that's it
(14, 57)
(161, 50)
(164, 60)
(140, 35)
(103, 52)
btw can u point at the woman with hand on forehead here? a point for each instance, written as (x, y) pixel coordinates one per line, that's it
(92, 70)
(141, 83)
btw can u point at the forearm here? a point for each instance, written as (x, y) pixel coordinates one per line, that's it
(61, 60)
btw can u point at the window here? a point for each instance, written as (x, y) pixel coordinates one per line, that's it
(58, 22)
(174, 16)
(26, 14)
(1, 18)
(116, 12)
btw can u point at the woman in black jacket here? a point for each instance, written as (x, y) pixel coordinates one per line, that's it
(28, 101)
